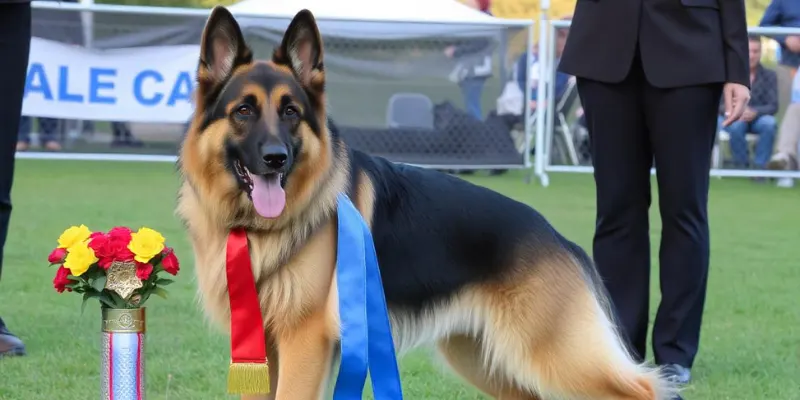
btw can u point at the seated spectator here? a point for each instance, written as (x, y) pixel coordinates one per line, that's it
(759, 117)
(48, 136)
(785, 157)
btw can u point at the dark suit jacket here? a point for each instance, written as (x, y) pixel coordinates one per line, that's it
(682, 42)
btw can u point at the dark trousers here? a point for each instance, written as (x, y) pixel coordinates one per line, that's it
(15, 41)
(630, 123)
(50, 130)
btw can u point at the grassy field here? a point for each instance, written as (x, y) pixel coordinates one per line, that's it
(750, 344)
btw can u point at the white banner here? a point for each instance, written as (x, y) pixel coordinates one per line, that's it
(141, 84)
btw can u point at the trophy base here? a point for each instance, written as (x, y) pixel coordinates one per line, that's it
(122, 367)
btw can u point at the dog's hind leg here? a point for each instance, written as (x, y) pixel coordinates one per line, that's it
(546, 331)
(464, 355)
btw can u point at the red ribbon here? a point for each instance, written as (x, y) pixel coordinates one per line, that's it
(247, 324)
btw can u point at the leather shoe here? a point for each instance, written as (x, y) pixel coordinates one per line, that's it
(10, 345)
(677, 373)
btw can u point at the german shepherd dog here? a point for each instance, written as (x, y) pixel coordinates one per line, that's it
(513, 307)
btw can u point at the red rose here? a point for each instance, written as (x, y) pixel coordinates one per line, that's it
(57, 256)
(170, 261)
(100, 245)
(121, 233)
(143, 271)
(60, 282)
(111, 246)
(120, 237)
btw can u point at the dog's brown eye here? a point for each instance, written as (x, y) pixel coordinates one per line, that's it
(290, 111)
(244, 111)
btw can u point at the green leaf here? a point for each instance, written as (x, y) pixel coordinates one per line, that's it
(99, 283)
(105, 299)
(145, 295)
(118, 301)
(81, 279)
(156, 269)
(155, 261)
(160, 292)
(164, 281)
(86, 297)
(94, 273)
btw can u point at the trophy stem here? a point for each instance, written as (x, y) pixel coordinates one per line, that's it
(122, 367)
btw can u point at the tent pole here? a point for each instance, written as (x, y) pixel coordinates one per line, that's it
(542, 86)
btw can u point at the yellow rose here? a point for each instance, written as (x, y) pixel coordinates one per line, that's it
(146, 244)
(79, 258)
(73, 235)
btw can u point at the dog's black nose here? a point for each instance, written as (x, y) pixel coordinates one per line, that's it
(274, 156)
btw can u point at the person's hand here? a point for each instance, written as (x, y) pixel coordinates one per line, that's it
(748, 115)
(736, 97)
(793, 43)
(449, 51)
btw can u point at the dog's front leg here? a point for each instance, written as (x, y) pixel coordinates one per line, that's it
(274, 361)
(305, 359)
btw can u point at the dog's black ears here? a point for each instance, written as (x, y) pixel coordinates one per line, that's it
(301, 50)
(222, 49)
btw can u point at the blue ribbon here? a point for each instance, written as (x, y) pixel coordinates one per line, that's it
(366, 336)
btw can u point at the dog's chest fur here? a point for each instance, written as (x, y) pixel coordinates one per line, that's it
(293, 268)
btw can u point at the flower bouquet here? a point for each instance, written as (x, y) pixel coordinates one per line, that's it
(120, 268)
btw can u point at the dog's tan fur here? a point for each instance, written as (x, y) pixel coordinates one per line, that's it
(538, 333)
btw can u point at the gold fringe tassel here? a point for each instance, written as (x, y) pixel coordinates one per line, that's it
(248, 378)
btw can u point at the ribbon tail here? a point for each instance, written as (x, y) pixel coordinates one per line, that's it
(384, 373)
(248, 378)
(351, 284)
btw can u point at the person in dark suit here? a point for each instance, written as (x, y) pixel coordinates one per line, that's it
(15, 41)
(650, 75)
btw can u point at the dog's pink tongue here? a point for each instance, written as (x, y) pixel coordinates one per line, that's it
(268, 196)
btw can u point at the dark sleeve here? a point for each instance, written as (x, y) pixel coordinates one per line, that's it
(522, 72)
(772, 17)
(734, 37)
(560, 86)
(473, 46)
(769, 104)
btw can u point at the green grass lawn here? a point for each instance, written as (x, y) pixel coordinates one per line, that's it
(750, 344)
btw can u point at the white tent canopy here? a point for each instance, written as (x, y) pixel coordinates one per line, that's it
(449, 11)
(380, 19)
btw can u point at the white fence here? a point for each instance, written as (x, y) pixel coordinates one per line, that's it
(89, 62)
(558, 146)
(553, 128)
